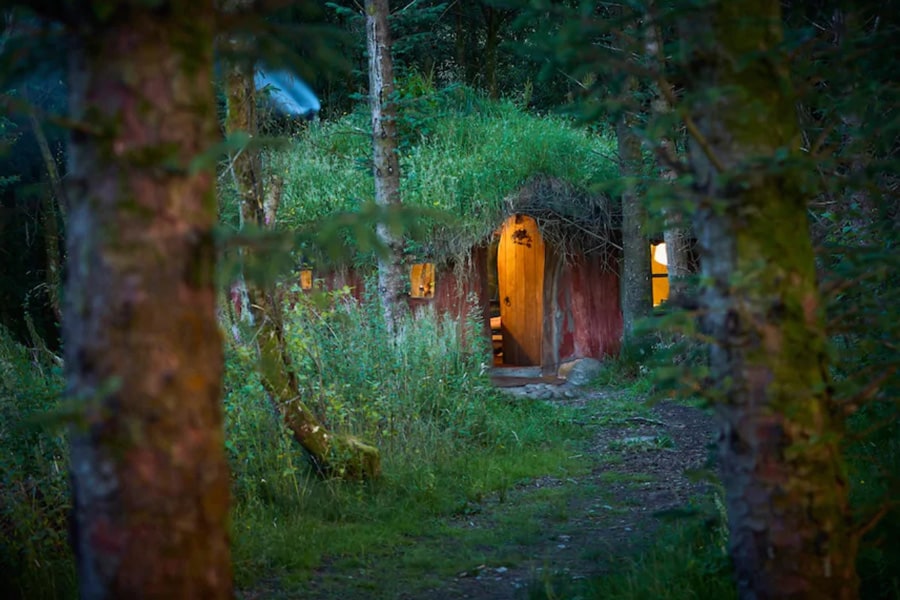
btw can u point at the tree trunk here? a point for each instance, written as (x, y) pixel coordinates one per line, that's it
(637, 290)
(675, 233)
(677, 240)
(780, 432)
(465, 41)
(50, 216)
(492, 19)
(391, 274)
(343, 456)
(143, 355)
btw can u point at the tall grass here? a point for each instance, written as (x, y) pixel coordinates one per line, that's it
(357, 377)
(474, 155)
(448, 439)
(35, 559)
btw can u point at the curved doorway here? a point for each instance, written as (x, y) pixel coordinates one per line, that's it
(520, 278)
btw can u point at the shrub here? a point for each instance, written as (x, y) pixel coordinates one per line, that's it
(35, 559)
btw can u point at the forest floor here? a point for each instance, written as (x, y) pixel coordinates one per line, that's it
(547, 531)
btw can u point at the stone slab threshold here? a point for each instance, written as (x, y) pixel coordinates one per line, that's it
(519, 376)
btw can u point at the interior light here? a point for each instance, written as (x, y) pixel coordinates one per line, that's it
(660, 256)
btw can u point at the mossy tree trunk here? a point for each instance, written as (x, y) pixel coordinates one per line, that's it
(143, 355)
(332, 455)
(392, 276)
(780, 431)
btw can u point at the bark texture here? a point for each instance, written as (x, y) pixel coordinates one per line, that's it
(675, 235)
(50, 215)
(386, 168)
(637, 290)
(677, 239)
(332, 455)
(780, 434)
(143, 355)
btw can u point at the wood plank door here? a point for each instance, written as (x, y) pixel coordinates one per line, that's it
(520, 275)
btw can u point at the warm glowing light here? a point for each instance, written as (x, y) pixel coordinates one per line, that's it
(421, 278)
(660, 256)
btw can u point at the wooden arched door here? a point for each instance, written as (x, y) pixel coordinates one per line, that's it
(520, 276)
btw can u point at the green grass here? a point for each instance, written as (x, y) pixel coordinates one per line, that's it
(643, 443)
(451, 446)
(614, 477)
(35, 559)
(458, 491)
(457, 495)
(476, 153)
(418, 510)
(687, 561)
(397, 543)
(620, 405)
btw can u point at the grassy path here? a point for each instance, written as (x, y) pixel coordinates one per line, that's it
(555, 535)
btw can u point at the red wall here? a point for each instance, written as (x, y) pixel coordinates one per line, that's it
(588, 298)
(586, 303)
(458, 288)
(454, 287)
(338, 279)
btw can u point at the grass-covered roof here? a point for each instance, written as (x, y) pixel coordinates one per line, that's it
(478, 160)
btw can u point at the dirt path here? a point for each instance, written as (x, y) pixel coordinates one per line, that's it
(546, 530)
(639, 472)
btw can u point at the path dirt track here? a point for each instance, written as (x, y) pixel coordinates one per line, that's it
(640, 472)
(637, 461)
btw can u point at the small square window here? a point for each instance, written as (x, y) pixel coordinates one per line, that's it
(421, 280)
(306, 279)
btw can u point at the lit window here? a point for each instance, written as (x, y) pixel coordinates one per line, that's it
(306, 279)
(421, 280)
(660, 273)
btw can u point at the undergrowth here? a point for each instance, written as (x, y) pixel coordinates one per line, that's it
(861, 298)
(449, 441)
(35, 559)
(451, 446)
(687, 561)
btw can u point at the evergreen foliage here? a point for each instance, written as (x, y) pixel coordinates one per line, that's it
(841, 59)
(849, 102)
